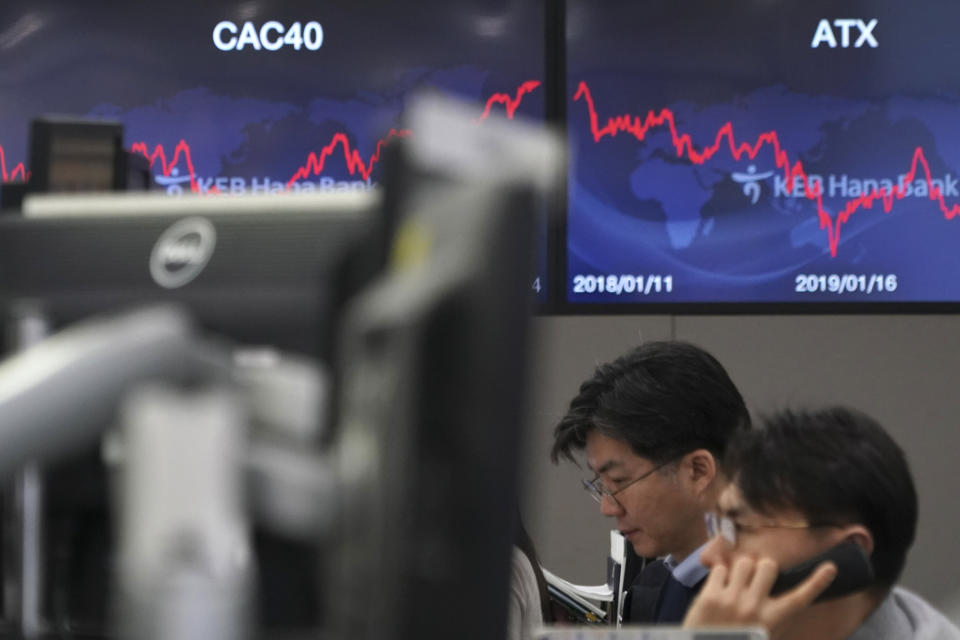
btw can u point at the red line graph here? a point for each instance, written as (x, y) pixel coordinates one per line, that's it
(316, 161)
(683, 144)
(10, 176)
(166, 167)
(509, 102)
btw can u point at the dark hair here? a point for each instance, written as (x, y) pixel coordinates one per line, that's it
(664, 399)
(834, 465)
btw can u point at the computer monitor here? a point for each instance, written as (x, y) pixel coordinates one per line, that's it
(260, 270)
(762, 157)
(257, 97)
(239, 96)
(433, 392)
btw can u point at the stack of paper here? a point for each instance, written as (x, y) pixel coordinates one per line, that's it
(579, 600)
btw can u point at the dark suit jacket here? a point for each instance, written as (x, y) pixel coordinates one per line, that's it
(645, 594)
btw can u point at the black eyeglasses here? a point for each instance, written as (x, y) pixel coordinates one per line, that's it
(597, 491)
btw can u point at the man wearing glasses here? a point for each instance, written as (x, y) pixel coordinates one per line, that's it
(655, 424)
(803, 484)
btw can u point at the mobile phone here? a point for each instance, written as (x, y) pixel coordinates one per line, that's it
(854, 571)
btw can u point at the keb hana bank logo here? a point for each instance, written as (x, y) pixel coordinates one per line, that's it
(773, 183)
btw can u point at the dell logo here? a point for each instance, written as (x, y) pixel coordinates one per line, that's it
(182, 252)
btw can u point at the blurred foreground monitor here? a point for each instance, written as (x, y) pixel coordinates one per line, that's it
(434, 385)
(412, 306)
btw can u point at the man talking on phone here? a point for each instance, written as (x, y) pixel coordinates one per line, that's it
(812, 534)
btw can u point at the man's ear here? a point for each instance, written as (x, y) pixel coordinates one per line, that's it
(700, 467)
(858, 534)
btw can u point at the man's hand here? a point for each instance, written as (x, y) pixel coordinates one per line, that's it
(740, 596)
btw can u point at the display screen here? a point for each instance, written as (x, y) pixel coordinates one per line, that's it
(762, 152)
(261, 97)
